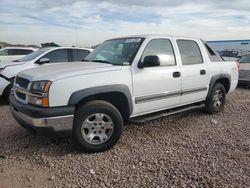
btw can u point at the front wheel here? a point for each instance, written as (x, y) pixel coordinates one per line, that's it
(97, 126)
(7, 91)
(215, 102)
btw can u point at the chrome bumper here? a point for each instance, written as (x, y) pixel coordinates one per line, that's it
(58, 123)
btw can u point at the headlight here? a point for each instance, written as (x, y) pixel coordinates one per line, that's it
(40, 86)
(40, 93)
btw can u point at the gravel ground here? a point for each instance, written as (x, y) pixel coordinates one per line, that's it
(187, 150)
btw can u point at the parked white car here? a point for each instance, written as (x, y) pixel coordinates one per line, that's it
(43, 56)
(12, 53)
(136, 79)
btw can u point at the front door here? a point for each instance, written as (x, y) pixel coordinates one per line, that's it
(157, 88)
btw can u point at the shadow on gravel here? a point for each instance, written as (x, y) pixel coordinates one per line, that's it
(22, 143)
(2, 102)
(246, 87)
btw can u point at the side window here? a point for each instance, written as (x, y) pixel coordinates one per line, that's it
(5, 52)
(79, 55)
(161, 48)
(21, 51)
(58, 56)
(190, 52)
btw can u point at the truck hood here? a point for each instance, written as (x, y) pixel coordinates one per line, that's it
(3, 65)
(58, 71)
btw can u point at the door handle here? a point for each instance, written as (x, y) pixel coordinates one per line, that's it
(202, 72)
(176, 74)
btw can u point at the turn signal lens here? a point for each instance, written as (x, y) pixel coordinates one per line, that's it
(45, 102)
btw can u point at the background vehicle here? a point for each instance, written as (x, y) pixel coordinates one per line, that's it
(43, 56)
(136, 78)
(232, 54)
(13, 53)
(244, 76)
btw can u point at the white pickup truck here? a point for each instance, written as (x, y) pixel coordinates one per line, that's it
(137, 78)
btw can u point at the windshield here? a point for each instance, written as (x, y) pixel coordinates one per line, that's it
(229, 53)
(245, 59)
(116, 52)
(33, 55)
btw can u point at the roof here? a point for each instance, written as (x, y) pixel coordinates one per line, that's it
(226, 41)
(67, 48)
(153, 35)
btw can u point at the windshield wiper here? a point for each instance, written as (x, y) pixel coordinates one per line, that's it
(16, 60)
(102, 61)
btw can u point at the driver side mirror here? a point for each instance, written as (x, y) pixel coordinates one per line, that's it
(150, 61)
(43, 60)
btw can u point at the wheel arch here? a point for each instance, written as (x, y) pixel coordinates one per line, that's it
(118, 95)
(224, 79)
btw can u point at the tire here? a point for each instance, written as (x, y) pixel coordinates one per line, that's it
(215, 102)
(6, 93)
(97, 126)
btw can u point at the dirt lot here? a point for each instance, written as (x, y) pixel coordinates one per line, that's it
(186, 150)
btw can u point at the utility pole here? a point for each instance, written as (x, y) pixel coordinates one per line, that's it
(76, 37)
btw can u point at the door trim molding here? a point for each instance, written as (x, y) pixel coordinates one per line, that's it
(157, 96)
(174, 93)
(195, 90)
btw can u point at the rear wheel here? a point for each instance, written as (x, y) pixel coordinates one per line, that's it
(97, 126)
(215, 102)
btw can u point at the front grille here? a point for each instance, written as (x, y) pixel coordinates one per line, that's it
(21, 95)
(22, 82)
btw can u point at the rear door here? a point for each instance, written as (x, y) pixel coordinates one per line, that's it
(194, 84)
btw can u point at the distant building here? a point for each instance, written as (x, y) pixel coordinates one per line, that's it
(220, 45)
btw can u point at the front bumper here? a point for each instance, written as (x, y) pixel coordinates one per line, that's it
(45, 121)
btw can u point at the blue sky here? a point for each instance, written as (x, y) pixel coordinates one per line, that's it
(37, 21)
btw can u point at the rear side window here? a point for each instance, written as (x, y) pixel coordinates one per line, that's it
(213, 56)
(56, 56)
(21, 52)
(211, 52)
(190, 52)
(161, 48)
(79, 55)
